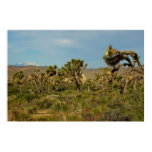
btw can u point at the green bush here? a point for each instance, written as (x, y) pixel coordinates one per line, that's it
(20, 115)
(32, 110)
(45, 103)
(12, 90)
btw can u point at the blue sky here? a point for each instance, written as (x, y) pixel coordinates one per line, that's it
(59, 46)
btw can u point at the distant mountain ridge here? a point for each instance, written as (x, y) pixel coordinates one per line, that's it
(29, 69)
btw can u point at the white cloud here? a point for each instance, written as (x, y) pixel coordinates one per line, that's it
(63, 42)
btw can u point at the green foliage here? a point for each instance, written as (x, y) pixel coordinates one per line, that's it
(73, 70)
(20, 116)
(12, 90)
(52, 70)
(18, 79)
(71, 105)
(112, 61)
(37, 82)
(32, 110)
(26, 97)
(18, 75)
(125, 108)
(91, 85)
(45, 103)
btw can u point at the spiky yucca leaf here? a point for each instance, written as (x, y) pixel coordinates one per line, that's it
(112, 61)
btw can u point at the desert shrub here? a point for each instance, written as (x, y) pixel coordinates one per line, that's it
(19, 115)
(64, 107)
(72, 118)
(25, 97)
(23, 117)
(56, 107)
(15, 112)
(116, 115)
(61, 88)
(97, 113)
(91, 85)
(136, 103)
(32, 110)
(116, 111)
(12, 90)
(104, 100)
(87, 115)
(125, 107)
(30, 97)
(59, 107)
(45, 103)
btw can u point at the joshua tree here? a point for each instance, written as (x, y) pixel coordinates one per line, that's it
(113, 57)
(37, 82)
(73, 70)
(52, 70)
(18, 79)
(56, 76)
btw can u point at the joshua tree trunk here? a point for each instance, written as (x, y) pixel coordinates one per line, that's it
(77, 85)
(134, 57)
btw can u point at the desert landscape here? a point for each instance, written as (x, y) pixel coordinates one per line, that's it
(76, 75)
(74, 93)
